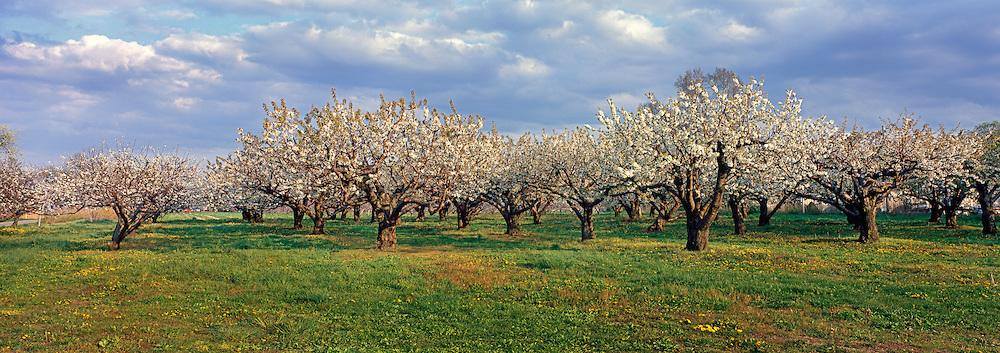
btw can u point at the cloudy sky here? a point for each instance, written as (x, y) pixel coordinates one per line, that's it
(186, 75)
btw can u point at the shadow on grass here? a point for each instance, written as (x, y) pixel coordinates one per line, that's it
(225, 231)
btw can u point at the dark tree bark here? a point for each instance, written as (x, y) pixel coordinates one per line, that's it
(855, 220)
(936, 212)
(664, 214)
(584, 211)
(536, 215)
(952, 204)
(357, 213)
(463, 219)
(633, 207)
(868, 227)
(513, 222)
(421, 213)
(669, 216)
(699, 213)
(739, 212)
(297, 216)
(128, 223)
(951, 217)
(511, 205)
(985, 196)
(319, 225)
(657, 225)
(465, 210)
(443, 211)
(697, 235)
(763, 219)
(767, 212)
(586, 216)
(119, 235)
(387, 233)
(252, 216)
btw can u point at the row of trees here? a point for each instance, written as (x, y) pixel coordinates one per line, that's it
(719, 142)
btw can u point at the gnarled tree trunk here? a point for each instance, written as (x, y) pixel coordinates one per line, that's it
(319, 224)
(763, 217)
(951, 217)
(985, 198)
(739, 216)
(464, 210)
(443, 211)
(936, 212)
(536, 215)
(868, 228)
(297, 216)
(513, 222)
(697, 235)
(585, 213)
(421, 213)
(387, 233)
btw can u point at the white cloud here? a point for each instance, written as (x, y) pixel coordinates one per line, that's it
(226, 48)
(632, 28)
(363, 45)
(98, 53)
(524, 67)
(178, 14)
(562, 30)
(185, 103)
(739, 32)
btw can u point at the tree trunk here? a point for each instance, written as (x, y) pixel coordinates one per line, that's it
(443, 211)
(421, 213)
(986, 208)
(739, 213)
(935, 213)
(764, 218)
(951, 217)
(697, 234)
(319, 224)
(669, 216)
(633, 208)
(868, 228)
(855, 220)
(536, 215)
(586, 216)
(122, 230)
(657, 225)
(256, 216)
(357, 213)
(513, 222)
(387, 233)
(297, 216)
(463, 213)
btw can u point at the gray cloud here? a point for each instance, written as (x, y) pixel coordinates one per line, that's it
(186, 75)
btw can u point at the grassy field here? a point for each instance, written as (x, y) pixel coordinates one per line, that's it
(209, 283)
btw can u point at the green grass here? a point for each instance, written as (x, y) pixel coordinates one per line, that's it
(207, 282)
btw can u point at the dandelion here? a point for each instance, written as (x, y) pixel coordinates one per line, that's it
(707, 328)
